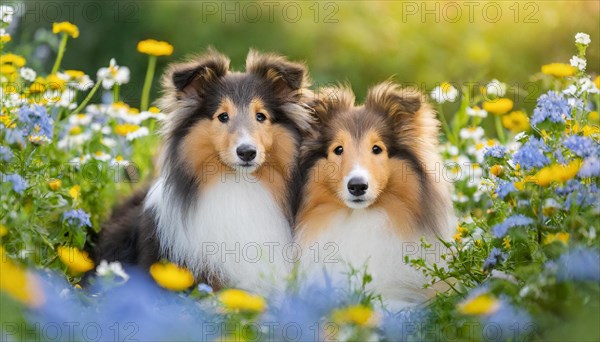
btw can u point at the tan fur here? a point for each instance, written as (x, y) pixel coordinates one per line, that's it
(408, 205)
(209, 144)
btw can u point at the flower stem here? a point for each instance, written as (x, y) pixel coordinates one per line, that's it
(87, 98)
(148, 83)
(445, 126)
(499, 129)
(116, 89)
(61, 52)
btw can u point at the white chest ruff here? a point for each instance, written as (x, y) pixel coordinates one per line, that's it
(366, 238)
(235, 231)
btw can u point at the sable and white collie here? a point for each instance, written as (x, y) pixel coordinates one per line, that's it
(370, 190)
(221, 205)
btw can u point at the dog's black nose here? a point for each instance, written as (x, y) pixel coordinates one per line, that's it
(246, 152)
(357, 186)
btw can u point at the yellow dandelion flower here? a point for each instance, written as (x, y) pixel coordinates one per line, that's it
(597, 82)
(171, 276)
(559, 69)
(496, 170)
(18, 283)
(12, 59)
(234, 300)
(588, 130)
(457, 237)
(557, 173)
(516, 121)
(74, 74)
(55, 184)
(3, 230)
(484, 304)
(498, 106)
(7, 69)
(75, 192)
(124, 129)
(355, 314)
(76, 260)
(38, 86)
(55, 82)
(5, 38)
(65, 27)
(560, 237)
(155, 48)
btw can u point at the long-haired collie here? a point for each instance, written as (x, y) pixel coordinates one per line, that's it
(221, 204)
(372, 187)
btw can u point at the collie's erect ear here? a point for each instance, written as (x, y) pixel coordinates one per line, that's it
(414, 120)
(286, 76)
(394, 100)
(330, 100)
(193, 76)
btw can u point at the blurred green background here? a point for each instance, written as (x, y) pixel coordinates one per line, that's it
(362, 42)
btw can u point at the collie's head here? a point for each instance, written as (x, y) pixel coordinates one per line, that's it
(222, 120)
(374, 155)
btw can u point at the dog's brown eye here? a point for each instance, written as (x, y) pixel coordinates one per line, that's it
(260, 117)
(223, 117)
(338, 150)
(377, 149)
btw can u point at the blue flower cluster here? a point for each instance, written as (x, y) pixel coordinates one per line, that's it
(513, 221)
(77, 217)
(578, 264)
(19, 184)
(36, 121)
(504, 188)
(590, 168)
(5, 154)
(496, 256)
(532, 155)
(582, 146)
(496, 151)
(551, 106)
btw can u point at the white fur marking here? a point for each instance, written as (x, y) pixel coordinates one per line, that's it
(236, 231)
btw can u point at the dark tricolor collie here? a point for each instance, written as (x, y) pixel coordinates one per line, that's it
(370, 189)
(221, 205)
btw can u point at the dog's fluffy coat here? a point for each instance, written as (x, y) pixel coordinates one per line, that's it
(390, 143)
(225, 219)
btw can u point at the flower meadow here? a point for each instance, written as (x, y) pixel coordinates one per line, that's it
(524, 263)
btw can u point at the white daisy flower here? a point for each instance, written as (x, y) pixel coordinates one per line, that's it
(154, 113)
(119, 161)
(78, 161)
(582, 38)
(474, 133)
(138, 133)
(73, 141)
(578, 62)
(108, 142)
(6, 13)
(102, 156)
(477, 112)
(444, 92)
(80, 119)
(28, 74)
(496, 88)
(114, 74)
(113, 268)
(39, 139)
